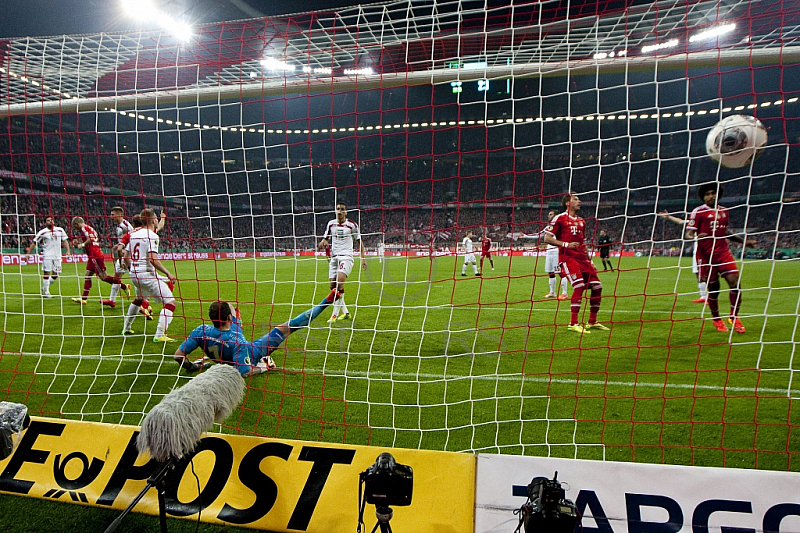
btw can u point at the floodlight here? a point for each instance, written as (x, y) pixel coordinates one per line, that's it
(712, 32)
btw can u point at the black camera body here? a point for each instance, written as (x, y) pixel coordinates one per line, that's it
(548, 509)
(387, 482)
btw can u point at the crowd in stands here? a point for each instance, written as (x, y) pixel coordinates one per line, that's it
(633, 228)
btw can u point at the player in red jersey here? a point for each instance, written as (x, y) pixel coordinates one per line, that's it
(709, 222)
(96, 266)
(568, 231)
(486, 250)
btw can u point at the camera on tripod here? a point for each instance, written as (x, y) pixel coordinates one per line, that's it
(385, 483)
(548, 508)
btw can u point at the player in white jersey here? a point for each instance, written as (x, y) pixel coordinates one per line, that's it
(551, 266)
(701, 284)
(342, 234)
(141, 249)
(50, 240)
(122, 228)
(469, 254)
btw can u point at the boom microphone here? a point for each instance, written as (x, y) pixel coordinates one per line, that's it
(172, 429)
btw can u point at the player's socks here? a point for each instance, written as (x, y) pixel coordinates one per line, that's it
(133, 309)
(112, 297)
(552, 282)
(703, 290)
(164, 319)
(305, 318)
(87, 286)
(596, 291)
(575, 302)
(713, 306)
(563, 286)
(735, 296)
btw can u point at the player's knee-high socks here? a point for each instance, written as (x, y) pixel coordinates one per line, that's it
(575, 302)
(552, 281)
(133, 310)
(164, 318)
(713, 298)
(305, 318)
(87, 286)
(594, 301)
(735, 295)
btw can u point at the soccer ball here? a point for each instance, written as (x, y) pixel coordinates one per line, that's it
(736, 141)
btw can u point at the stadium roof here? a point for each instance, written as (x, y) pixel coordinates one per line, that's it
(406, 42)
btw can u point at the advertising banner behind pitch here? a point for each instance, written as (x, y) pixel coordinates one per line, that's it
(280, 485)
(642, 498)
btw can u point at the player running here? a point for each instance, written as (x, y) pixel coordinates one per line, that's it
(469, 255)
(486, 250)
(142, 250)
(341, 234)
(567, 231)
(224, 342)
(96, 265)
(709, 222)
(50, 240)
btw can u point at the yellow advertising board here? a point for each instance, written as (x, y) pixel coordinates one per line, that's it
(256, 482)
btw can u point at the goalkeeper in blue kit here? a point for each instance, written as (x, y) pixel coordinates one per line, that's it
(224, 342)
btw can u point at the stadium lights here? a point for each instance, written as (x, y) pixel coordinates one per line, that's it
(712, 32)
(145, 10)
(317, 70)
(359, 71)
(672, 43)
(499, 121)
(276, 64)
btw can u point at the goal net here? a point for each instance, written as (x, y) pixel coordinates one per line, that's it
(442, 127)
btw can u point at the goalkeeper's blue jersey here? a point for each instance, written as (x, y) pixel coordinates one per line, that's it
(229, 346)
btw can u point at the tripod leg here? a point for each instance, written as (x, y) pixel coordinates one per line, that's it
(162, 509)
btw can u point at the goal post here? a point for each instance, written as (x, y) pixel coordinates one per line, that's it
(425, 121)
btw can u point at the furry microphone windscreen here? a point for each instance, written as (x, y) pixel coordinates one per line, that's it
(172, 429)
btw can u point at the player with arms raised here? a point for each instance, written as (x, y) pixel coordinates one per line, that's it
(142, 250)
(96, 265)
(341, 234)
(709, 222)
(224, 342)
(50, 241)
(567, 231)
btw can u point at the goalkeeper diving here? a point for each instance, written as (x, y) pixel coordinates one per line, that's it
(224, 342)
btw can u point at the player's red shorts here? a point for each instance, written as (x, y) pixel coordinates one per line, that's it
(722, 263)
(576, 270)
(95, 265)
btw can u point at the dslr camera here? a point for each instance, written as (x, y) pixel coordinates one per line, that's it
(387, 482)
(547, 509)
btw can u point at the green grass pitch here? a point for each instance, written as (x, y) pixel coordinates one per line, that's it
(435, 360)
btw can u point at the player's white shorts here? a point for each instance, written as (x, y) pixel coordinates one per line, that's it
(150, 287)
(51, 265)
(469, 258)
(551, 261)
(340, 264)
(695, 268)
